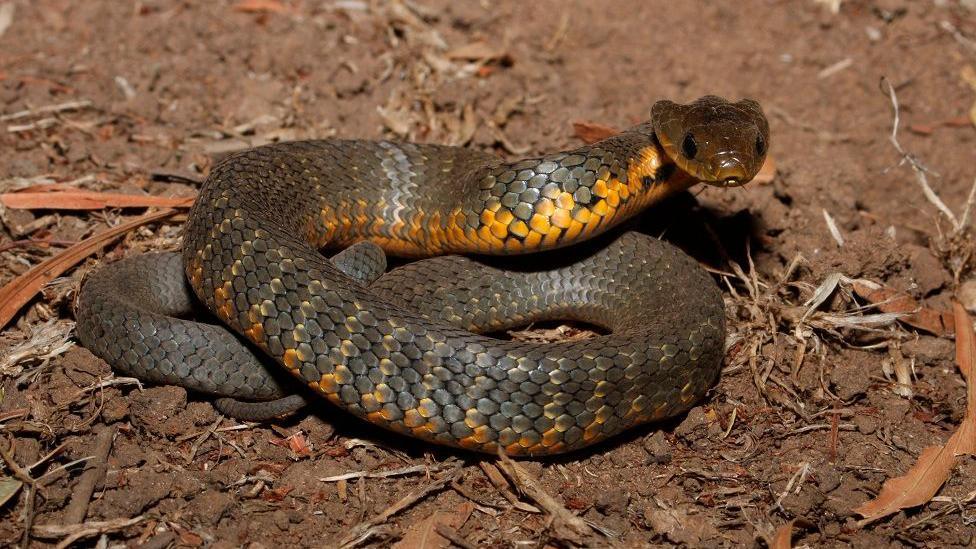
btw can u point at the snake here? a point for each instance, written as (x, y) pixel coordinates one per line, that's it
(414, 350)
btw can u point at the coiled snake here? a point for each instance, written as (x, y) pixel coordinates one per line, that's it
(404, 351)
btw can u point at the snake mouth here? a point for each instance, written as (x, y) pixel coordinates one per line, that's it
(723, 170)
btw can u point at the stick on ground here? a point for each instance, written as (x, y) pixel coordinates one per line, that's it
(94, 473)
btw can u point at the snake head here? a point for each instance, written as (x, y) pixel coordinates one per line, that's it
(717, 141)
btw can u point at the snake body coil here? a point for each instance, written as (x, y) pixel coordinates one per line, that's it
(404, 352)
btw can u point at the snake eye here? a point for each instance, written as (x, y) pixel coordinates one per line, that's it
(760, 145)
(689, 147)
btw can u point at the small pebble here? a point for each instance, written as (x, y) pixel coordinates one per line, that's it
(828, 479)
(865, 425)
(658, 448)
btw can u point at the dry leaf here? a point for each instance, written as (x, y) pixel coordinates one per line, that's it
(784, 536)
(591, 132)
(423, 534)
(22, 289)
(88, 200)
(767, 173)
(893, 301)
(965, 345)
(935, 463)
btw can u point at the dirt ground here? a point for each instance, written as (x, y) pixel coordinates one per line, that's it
(817, 405)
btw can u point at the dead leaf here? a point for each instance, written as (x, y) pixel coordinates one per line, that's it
(88, 200)
(9, 487)
(22, 289)
(679, 526)
(893, 301)
(965, 346)
(424, 535)
(767, 173)
(261, 6)
(591, 132)
(935, 463)
(784, 536)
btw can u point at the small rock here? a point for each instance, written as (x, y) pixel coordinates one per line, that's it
(927, 271)
(115, 409)
(658, 448)
(828, 480)
(319, 431)
(612, 501)
(281, 520)
(865, 425)
(211, 506)
(696, 418)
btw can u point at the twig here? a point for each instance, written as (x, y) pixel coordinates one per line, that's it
(47, 109)
(918, 168)
(42, 124)
(203, 437)
(383, 474)
(951, 29)
(35, 242)
(94, 473)
(559, 33)
(364, 530)
(796, 480)
(565, 524)
(832, 226)
(30, 490)
(453, 536)
(498, 481)
(74, 532)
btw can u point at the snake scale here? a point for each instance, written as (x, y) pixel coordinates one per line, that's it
(407, 350)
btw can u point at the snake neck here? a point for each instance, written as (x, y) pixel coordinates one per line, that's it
(421, 200)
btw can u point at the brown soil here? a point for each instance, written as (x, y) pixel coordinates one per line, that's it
(173, 85)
